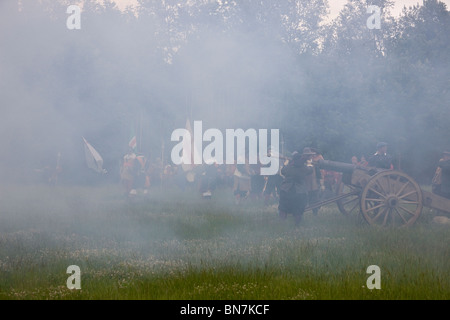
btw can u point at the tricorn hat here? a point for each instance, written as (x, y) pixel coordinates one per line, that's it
(308, 152)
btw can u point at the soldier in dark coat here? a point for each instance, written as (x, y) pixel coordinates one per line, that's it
(294, 189)
(256, 181)
(381, 159)
(444, 164)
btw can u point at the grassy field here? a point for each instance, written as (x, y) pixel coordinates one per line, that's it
(174, 245)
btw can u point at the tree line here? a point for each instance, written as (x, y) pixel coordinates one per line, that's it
(335, 85)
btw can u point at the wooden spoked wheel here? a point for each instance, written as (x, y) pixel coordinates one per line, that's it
(391, 198)
(350, 204)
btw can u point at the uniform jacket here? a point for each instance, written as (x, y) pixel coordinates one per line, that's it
(383, 161)
(295, 178)
(445, 178)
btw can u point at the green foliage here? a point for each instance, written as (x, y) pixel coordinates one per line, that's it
(337, 85)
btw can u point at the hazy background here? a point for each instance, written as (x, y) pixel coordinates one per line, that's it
(332, 84)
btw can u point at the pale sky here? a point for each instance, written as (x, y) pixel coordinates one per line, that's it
(335, 5)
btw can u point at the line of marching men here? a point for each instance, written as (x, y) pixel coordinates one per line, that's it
(300, 181)
(138, 175)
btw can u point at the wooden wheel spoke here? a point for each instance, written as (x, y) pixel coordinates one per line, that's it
(402, 188)
(379, 214)
(409, 202)
(386, 216)
(407, 194)
(381, 195)
(406, 210)
(354, 206)
(348, 204)
(388, 184)
(395, 183)
(375, 200)
(375, 207)
(381, 188)
(401, 216)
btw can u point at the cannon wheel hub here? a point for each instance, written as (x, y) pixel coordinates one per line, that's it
(392, 201)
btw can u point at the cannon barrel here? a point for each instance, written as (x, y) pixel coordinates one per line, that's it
(336, 166)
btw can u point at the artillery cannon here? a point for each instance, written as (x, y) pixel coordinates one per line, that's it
(383, 197)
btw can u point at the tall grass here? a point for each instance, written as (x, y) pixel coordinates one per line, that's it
(175, 245)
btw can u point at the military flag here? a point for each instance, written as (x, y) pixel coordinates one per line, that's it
(93, 159)
(132, 144)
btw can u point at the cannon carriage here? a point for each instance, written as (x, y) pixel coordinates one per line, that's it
(383, 197)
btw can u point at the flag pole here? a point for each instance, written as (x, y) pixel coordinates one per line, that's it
(162, 153)
(162, 164)
(140, 132)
